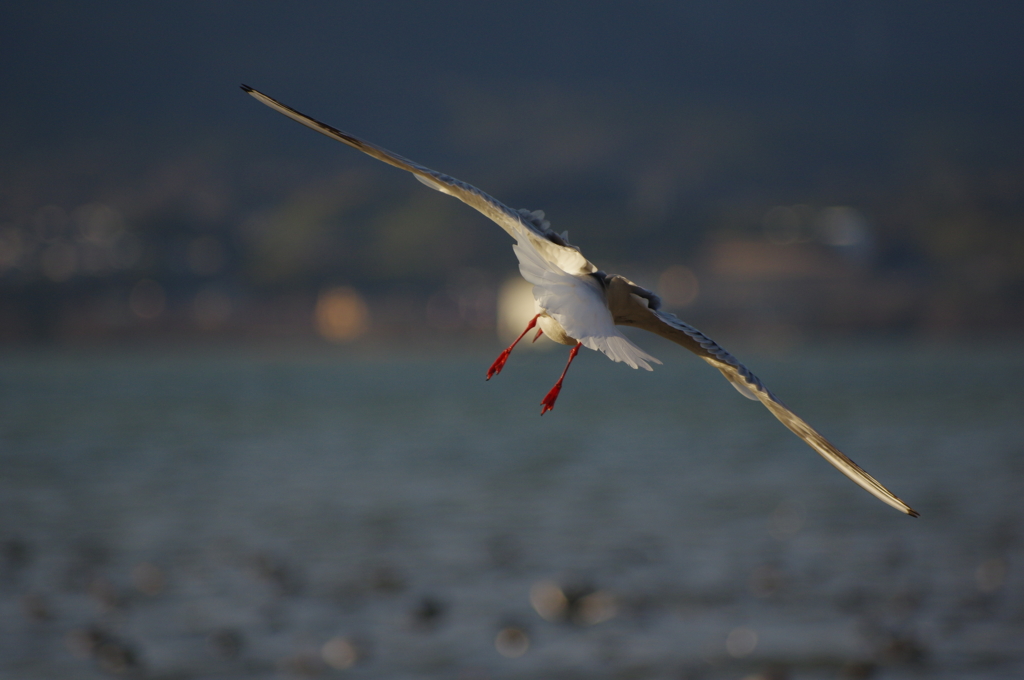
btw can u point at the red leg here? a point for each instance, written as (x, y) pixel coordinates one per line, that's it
(499, 363)
(540, 332)
(548, 402)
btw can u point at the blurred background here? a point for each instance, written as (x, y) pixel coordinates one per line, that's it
(243, 427)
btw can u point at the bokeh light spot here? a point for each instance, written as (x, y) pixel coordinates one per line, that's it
(842, 226)
(99, 224)
(548, 600)
(339, 653)
(341, 314)
(515, 309)
(512, 642)
(678, 286)
(741, 642)
(597, 607)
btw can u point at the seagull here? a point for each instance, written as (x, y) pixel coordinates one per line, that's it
(579, 305)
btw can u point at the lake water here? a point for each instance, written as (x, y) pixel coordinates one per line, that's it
(310, 512)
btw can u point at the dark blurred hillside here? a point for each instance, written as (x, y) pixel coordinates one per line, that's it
(804, 168)
(738, 220)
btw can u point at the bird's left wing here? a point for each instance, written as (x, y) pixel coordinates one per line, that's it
(629, 308)
(554, 246)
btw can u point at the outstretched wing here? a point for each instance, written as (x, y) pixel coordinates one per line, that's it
(554, 246)
(631, 310)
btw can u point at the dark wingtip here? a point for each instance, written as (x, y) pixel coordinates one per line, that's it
(246, 88)
(913, 513)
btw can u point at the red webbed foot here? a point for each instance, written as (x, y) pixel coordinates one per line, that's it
(499, 363)
(548, 402)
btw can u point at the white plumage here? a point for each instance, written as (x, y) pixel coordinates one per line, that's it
(575, 302)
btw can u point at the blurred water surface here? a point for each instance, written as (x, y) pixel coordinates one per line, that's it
(302, 512)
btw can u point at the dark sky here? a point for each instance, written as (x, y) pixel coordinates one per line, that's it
(124, 70)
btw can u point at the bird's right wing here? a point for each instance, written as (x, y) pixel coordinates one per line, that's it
(631, 310)
(554, 246)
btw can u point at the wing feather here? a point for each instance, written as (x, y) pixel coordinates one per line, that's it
(631, 310)
(508, 219)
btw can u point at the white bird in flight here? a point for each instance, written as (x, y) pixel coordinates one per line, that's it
(579, 305)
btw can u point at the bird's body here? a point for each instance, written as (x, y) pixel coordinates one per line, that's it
(554, 330)
(579, 305)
